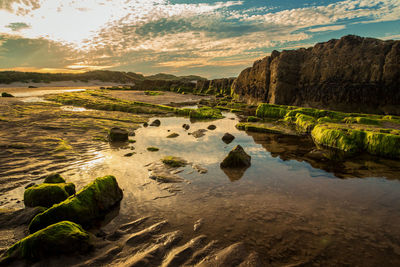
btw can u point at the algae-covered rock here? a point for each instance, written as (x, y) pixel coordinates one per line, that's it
(118, 135)
(174, 161)
(205, 113)
(89, 204)
(382, 144)
(347, 140)
(54, 178)
(227, 138)
(253, 127)
(60, 238)
(46, 195)
(237, 158)
(252, 119)
(271, 111)
(305, 123)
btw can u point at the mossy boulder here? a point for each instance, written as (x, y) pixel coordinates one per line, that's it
(260, 128)
(252, 119)
(174, 162)
(305, 123)
(205, 113)
(88, 205)
(347, 140)
(271, 111)
(54, 178)
(382, 144)
(118, 135)
(46, 195)
(60, 238)
(237, 158)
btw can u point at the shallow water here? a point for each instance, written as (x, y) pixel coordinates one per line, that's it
(288, 207)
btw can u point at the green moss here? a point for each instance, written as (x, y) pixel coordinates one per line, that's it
(60, 238)
(271, 111)
(174, 161)
(383, 144)
(152, 149)
(46, 195)
(361, 120)
(252, 119)
(305, 123)
(63, 145)
(153, 93)
(54, 178)
(88, 205)
(205, 113)
(252, 127)
(347, 140)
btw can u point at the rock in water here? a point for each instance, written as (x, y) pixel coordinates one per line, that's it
(212, 127)
(118, 135)
(155, 123)
(199, 133)
(186, 126)
(173, 135)
(237, 158)
(351, 74)
(54, 178)
(60, 238)
(46, 195)
(227, 138)
(4, 94)
(88, 205)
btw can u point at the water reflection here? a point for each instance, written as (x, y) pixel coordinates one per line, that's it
(234, 174)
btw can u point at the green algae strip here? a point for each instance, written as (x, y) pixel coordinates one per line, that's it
(60, 238)
(89, 204)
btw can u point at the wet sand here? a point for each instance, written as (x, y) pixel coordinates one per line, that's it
(288, 208)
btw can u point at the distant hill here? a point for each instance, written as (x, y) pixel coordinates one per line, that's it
(7, 77)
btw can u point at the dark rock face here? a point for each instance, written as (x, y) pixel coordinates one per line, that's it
(217, 86)
(349, 74)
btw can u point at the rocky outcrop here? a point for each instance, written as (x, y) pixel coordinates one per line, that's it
(349, 74)
(217, 86)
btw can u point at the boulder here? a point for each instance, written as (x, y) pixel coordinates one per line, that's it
(118, 135)
(227, 138)
(60, 238)
(237, 158)
(54, 178)
(156, 123)
(87, 206)
(46, 195)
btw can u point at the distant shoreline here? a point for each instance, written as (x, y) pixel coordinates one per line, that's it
(62, 84)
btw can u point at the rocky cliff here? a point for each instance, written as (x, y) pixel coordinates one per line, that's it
(217, 86)
(349, 74)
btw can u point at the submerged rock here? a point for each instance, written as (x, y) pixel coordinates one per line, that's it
(54, 178)
(174, 162)
(46, 195)
(227, 138)
(173, 135)
(237, 158)
(60, 238)
(212, 127)
(199, 133)
(155, 123)
(88, 205)
(118, 135)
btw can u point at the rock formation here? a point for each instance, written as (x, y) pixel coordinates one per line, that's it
(217, 86)
(349, 74)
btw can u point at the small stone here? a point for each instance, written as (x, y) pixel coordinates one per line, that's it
(186, 126)
(173, 135)
(152, 149)
(145, 124)
(129, 155)
(118, 135)
(227, 138)
(199, 133)
(212, 127)
(156, 123)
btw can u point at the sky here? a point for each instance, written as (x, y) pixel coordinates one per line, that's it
(209, 38)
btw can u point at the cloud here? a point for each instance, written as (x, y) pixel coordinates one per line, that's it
(328, 28)
(17, 26)
(21, 7)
